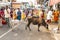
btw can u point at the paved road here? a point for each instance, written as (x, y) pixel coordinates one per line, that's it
(4, 29)
(21, 34)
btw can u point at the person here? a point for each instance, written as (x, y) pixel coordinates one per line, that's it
(30, 13)
(11, 13)
(23, 16)
(49, 16)
(7, 15)
(14, 15)
(56, 15)
(16, 10)
(42, 15)
(59, 22)
(26, 12)
(35, 13)
(1, 16)
(19, 14)
(1, 13)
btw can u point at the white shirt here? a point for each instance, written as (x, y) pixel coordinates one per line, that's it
(49, 15)
(7, 14)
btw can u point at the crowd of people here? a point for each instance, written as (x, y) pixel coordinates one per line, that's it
(6, 13)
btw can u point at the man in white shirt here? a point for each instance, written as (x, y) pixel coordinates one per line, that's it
(7, 15)
(49, 16)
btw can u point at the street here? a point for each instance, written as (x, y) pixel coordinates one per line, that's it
(20, 33)
(15, 14)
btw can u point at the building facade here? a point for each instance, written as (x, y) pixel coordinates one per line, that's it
(17, 3)
(3, 3)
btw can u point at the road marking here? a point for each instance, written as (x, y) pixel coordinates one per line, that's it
(8, 31)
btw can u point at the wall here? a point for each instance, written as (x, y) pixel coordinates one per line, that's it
(16, 5)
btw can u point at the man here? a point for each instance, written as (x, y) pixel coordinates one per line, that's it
(49, 16)
(7, 15)
(19, 14)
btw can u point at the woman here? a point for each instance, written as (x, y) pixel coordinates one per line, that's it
(14, 14)
(23, 16)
